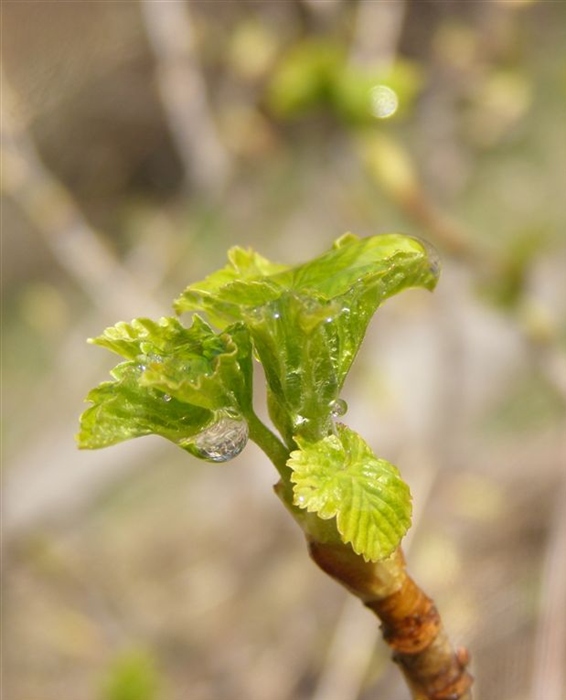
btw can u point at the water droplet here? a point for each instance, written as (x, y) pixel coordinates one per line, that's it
(384, 101)
(433, 256)
(221, 441)
(146, 360)
(166, 397)
(276, 315)
(338, 408)
(301, 500)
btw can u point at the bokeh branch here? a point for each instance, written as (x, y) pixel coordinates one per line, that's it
(184, 96)
(378, 28)
(53, 211)
(392, 168)
(549, 676)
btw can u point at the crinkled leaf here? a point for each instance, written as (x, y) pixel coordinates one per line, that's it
(386, 263)
(174, 384)
(124, 409)
(219, 376)
(307, 322)
(340, 477)
(243, 282)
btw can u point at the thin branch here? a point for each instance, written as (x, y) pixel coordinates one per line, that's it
(184, 96)
(549, 677)
(377, 32)
(324, 12)
(54, 213)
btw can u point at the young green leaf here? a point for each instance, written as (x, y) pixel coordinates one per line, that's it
(224, 292)
(387, 263)
(123, 409)
(340, 477)
(307, 322)
(177, 382)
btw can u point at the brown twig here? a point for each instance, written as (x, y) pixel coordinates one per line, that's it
(411, 624)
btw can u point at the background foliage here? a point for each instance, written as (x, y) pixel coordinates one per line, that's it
(138, 144)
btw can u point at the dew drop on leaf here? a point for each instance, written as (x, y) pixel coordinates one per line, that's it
(433, 256)
(221, 441)
(166, 397)
(146, 360)
(338, 408)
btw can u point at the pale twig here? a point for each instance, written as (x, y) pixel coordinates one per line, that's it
(52, 210)
(325, 11)
(184, 96)
(549, 676)
(377, 32)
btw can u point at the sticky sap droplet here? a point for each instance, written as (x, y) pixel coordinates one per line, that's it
(221, 441)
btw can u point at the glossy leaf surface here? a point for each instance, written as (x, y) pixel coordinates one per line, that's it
(307, 322)
(340, 477)
(175, 382)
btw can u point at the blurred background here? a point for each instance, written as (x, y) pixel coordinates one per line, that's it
(140, 140)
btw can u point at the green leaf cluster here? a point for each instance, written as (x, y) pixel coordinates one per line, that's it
(175, 382)
(307, 322)
(305, 325)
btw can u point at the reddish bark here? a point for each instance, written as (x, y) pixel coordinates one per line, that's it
(411, 624)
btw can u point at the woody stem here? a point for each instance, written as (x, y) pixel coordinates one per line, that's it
(411, 624)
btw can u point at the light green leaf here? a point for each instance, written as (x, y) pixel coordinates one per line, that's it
(386, 264)
(123, 409)
(340, 477)
(216, 375)
(176, 382)
(242, 282)
(307, 322)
